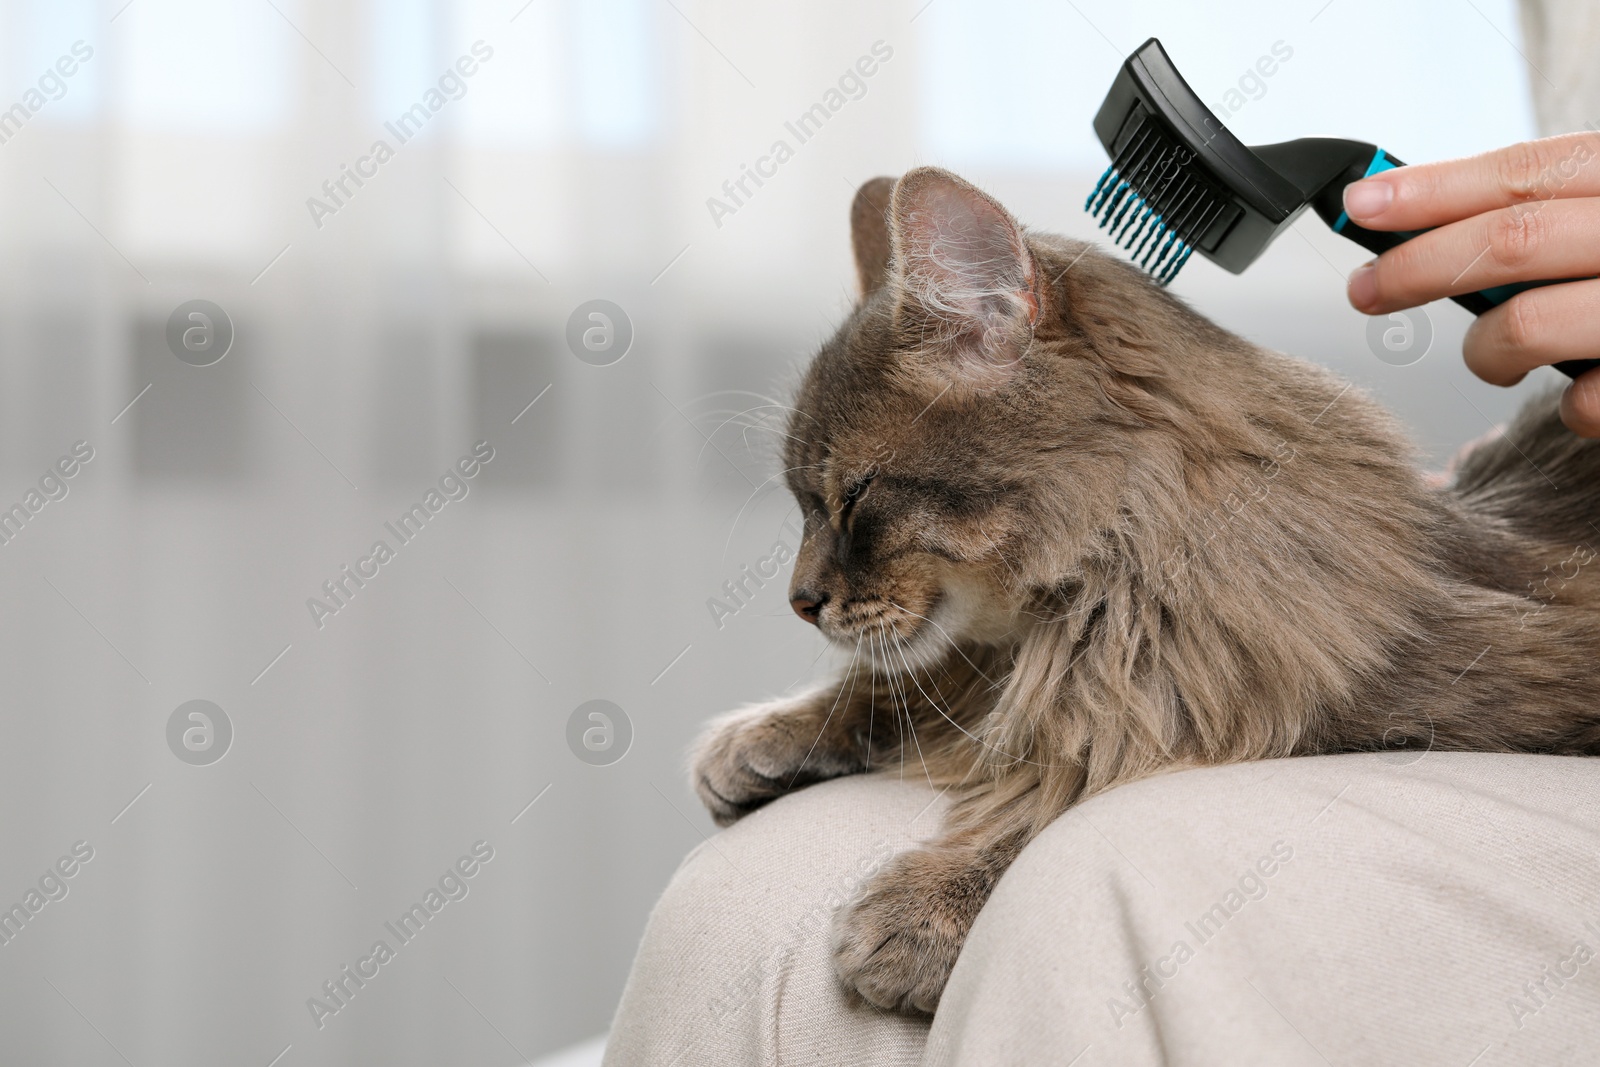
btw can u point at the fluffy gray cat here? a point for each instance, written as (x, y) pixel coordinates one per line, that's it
(1073, 534)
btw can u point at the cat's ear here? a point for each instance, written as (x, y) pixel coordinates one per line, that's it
(869, 234)
(960, 259)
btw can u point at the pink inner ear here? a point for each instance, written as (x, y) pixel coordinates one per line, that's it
(963, 257)
(969, 243)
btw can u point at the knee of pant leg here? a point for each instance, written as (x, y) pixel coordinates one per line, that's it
(752, 909)
(802, 848)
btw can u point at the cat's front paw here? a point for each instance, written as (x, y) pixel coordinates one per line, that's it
(754, 755)
(897, 944)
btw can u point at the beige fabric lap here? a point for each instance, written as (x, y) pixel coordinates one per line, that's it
(1345, 909)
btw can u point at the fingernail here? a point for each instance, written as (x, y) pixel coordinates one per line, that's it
(1363, 286)
(1367, 198)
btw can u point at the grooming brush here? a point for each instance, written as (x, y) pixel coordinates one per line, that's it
(1179, 182)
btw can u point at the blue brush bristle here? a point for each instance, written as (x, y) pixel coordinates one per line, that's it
(1134, 224)
(1148, 172)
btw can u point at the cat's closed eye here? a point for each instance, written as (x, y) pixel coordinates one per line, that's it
(852, 496)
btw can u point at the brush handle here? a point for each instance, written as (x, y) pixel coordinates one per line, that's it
(1380, 241)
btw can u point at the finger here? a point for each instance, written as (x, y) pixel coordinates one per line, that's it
(1432, 194)
(1535, 328)
(1580, 405)
(1558, 239)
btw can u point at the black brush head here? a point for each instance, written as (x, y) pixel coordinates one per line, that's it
(1180, 182)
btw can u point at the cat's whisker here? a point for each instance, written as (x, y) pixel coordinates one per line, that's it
(973, 766)
(734, 528)
(769, 402)
(947, 717)
(793, 410)
(911, 723)
(843, 696)
(744, 434)
(878, 676)
(897, 690)
(949, 637)
(771, 405)
(905, 709)
(766, 400)
(736, 415)
(872, 651)
(735, 418)
(872, 703)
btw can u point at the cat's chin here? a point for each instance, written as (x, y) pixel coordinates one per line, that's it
(962, 612)
(926, 647)
(892, 651)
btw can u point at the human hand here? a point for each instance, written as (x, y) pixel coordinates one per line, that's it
(1522, 213)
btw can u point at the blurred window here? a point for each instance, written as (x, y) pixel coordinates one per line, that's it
(200, 65)
(48, 31)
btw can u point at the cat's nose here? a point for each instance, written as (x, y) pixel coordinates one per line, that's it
(808, 605)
